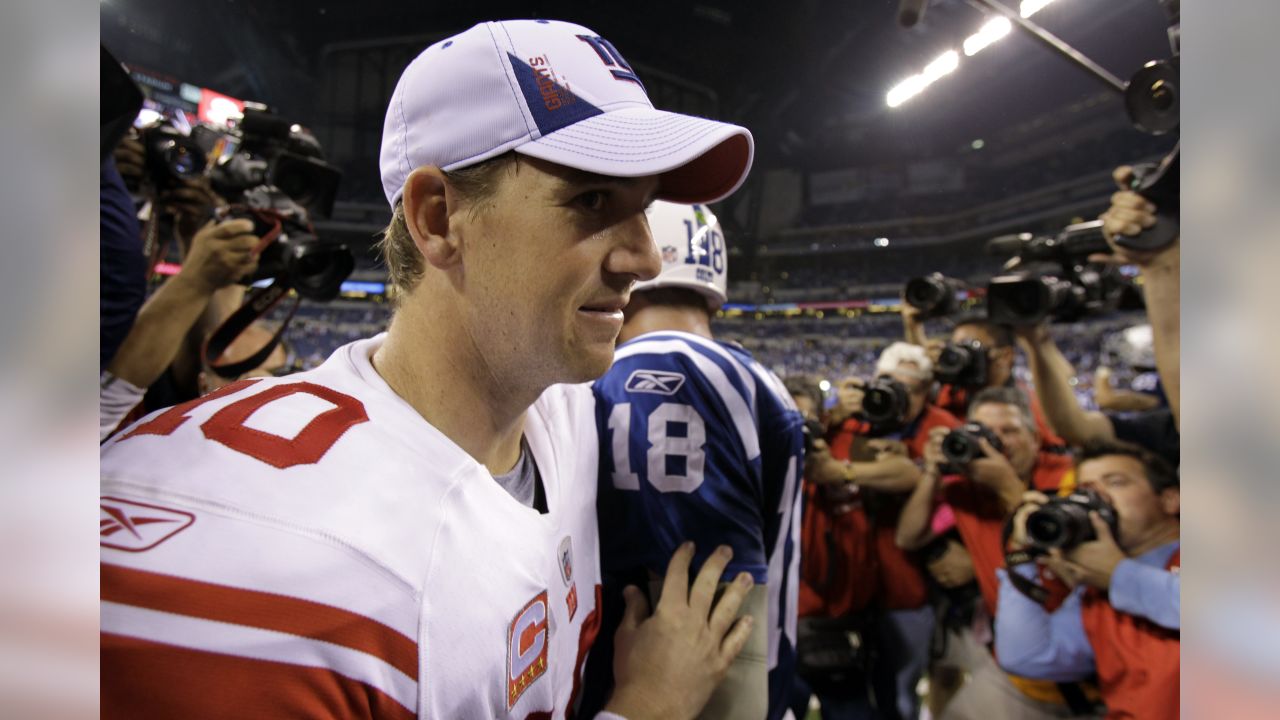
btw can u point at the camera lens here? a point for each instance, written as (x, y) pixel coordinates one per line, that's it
(1045, 529)
(923, 293)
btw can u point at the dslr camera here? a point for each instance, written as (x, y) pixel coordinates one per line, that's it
(934, 295)
(963, 364)
(1050, 278)
(1063, 522)
(885, 404)
(961, 446)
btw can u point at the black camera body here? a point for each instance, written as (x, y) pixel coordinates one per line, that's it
(961, 446)
(934, 295)
(963, 364)
(886, 404)
(276, 177)
(297, 257)
(1064, 523)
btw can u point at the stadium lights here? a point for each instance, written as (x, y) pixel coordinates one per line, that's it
(995, 29)
(945, 64)
(990, 32)
(1027, 8)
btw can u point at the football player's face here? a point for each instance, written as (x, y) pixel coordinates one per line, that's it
(549, 264)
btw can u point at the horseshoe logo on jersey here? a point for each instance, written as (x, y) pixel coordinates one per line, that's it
(526, 648)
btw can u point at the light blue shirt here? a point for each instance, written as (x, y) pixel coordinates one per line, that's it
(1034, 643)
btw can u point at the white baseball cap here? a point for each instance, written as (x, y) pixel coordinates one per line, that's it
(555, 91)
(693, 250)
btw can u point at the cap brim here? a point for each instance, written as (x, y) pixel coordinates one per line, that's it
(700, 160)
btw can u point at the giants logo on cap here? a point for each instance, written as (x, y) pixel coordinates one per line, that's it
(526, 648)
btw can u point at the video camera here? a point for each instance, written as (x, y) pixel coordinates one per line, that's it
(1064, 523)
(1050, 278)
(277, 178)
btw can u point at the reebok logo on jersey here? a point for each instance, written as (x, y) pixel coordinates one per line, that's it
(526, 647)
(655, 381)
(135, 527)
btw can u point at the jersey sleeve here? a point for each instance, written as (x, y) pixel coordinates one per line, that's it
(680, 460)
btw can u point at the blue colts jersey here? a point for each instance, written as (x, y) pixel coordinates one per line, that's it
(700, 442)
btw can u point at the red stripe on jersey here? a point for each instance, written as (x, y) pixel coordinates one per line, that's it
(586, 638)
(143, 679)
(267, 611)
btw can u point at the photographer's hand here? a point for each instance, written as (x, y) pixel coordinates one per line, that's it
(934, 459)
(667, 664)
(1129, 214)
(130, 158)
(1093, 562)
(1032, 500)
(220, 254)
(821, 468)
(193, 202)
(994, 471)
(849, 395)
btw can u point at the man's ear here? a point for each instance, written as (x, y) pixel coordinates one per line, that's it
(1171, 501)
(426, 202)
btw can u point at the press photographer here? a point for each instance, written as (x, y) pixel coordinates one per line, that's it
(851, 570)
(1122, 621)
(980, 355)
(974, 477)
(263, 181)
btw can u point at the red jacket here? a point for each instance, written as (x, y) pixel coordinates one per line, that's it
(1138, 661)
(979, 517)
(848, 556)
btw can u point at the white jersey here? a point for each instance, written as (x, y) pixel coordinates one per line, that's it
(310, 546)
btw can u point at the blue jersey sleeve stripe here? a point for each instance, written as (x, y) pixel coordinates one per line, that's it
(772, 383)
(743, 418)
(722, 357)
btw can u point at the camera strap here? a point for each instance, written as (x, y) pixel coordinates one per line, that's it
(1013, 558)
(259, 302)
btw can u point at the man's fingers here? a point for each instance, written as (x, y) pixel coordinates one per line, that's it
(636, 611)
(730, 602)
(1034, 496)
(987, 448)
(231, 228)
(704, 586)
(1100, 526)
(735, 640)
(675, 586)
(1123, 176)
